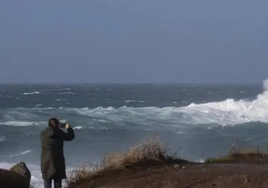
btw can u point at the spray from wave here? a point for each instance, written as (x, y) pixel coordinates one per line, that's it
(230, 112)
(265, 85)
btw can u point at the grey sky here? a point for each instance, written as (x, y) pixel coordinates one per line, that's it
(134, 41)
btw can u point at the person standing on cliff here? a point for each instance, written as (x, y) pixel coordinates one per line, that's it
(52, 155)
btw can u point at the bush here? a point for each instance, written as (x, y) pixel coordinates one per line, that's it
(242, 155)
(148, 154)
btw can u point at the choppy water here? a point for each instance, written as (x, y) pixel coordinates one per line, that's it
(197, 119)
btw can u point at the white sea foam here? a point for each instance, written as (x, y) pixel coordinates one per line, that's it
(67, 93)
(32, 93)
(130, 101)
(22, 123)
(227, 112)
(100, 120)
(21, 153)
(78, 127)
(16, 114)
(2, 138)
(133, 101)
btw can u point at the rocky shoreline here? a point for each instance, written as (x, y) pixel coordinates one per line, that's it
(18, 176)
(236, 175)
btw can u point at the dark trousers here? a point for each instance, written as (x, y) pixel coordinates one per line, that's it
(48, 183)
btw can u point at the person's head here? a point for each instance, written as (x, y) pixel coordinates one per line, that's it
(53, 122)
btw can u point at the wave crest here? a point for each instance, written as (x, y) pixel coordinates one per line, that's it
(227, 112)
(22, 123)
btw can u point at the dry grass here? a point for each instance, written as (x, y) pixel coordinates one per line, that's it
(242, 155)
(148, 154)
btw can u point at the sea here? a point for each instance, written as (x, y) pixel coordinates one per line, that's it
(197, 121)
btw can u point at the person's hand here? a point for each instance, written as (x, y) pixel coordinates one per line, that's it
(67, 126)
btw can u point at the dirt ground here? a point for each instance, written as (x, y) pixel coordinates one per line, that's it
(189, 176)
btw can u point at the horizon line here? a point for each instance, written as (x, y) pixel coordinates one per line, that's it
(129, 83)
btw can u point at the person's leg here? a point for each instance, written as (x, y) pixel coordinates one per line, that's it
(47, 183)
(57, 183)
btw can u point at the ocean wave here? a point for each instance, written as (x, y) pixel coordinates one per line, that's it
(32, 93)
(133, 101)
(22, 123)
(227, 112)
(20, 153)
(78, 127)
(68, 93)
(100, 120)
(129, 101)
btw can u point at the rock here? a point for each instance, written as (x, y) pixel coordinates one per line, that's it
(176, 166)
(168, 184)
(17, 176)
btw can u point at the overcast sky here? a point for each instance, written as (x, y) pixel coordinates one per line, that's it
(162, 41)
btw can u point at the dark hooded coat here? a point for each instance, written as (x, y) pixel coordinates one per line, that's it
(52, 155)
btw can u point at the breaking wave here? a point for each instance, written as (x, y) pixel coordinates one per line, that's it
(21, 123)
(228, 112)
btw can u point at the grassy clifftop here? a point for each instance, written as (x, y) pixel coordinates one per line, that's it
(151, 165)
(146, 155)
